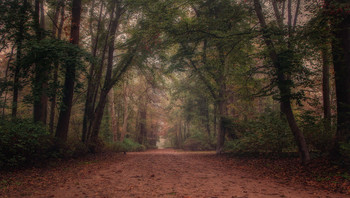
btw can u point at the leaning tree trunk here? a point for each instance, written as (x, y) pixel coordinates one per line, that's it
(98, 118)
(68, 89)
(285, 91)
(94, 78)
(108, 84)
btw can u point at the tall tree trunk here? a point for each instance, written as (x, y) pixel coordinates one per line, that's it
(98, 115)
(215, 111)
(42, 15)
(296, 14)
(108, 78)
(278, 16)
(143, 121)
(44, 99)
(207, 119)
(118, 123)
(205, 100)
(204, 112)
(326, 87)
(55, 18)
(68, 89)
(41, 73)
(125, 114)
(5, 89)
(222, 122)
(181, 139)
(341, 60)
(19, 43)
(113, 116)
(55, 29)
(289, 10)
(94, 79)
(285, 91)
(222, 102)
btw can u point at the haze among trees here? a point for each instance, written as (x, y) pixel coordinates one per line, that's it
(252, 76)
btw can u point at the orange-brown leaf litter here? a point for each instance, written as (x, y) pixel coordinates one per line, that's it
(156, 173)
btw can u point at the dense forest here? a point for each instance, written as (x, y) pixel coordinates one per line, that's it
(235, 76)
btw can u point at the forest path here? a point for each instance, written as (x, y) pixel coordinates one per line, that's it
(156, 173)
(169, 173)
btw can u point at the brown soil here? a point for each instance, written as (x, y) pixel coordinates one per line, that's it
(161, 173)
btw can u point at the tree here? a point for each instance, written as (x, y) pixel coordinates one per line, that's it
(41, 70)
(340, 25)
(56, 28)
(68, 90)
(281, 64)
(113, 116)
(95, 73)
(20, 36)
(212, 46)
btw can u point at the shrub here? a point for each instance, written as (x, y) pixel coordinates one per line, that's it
(23, 142)
(316, 135)
(269, 133)
(198, 142)
(345, 152)
(128, 145)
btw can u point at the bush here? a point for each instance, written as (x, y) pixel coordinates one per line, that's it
(24, 143)
(315, 132)
(128, 145)
(269, 133)
(198, 142)
(345, 153)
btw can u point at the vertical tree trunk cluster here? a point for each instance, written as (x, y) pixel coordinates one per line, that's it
(110, 77)
(95, 75)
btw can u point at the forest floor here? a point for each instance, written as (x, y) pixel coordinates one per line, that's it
(170, 173)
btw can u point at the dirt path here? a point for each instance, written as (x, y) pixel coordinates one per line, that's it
(167, 173)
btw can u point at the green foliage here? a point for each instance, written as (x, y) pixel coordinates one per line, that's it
(70, 149)
(269, 133)
(199, 142)
(128, 145)
(345, 154)
(317, 136)
(14, 15)
(23, 143)
(48, 51)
